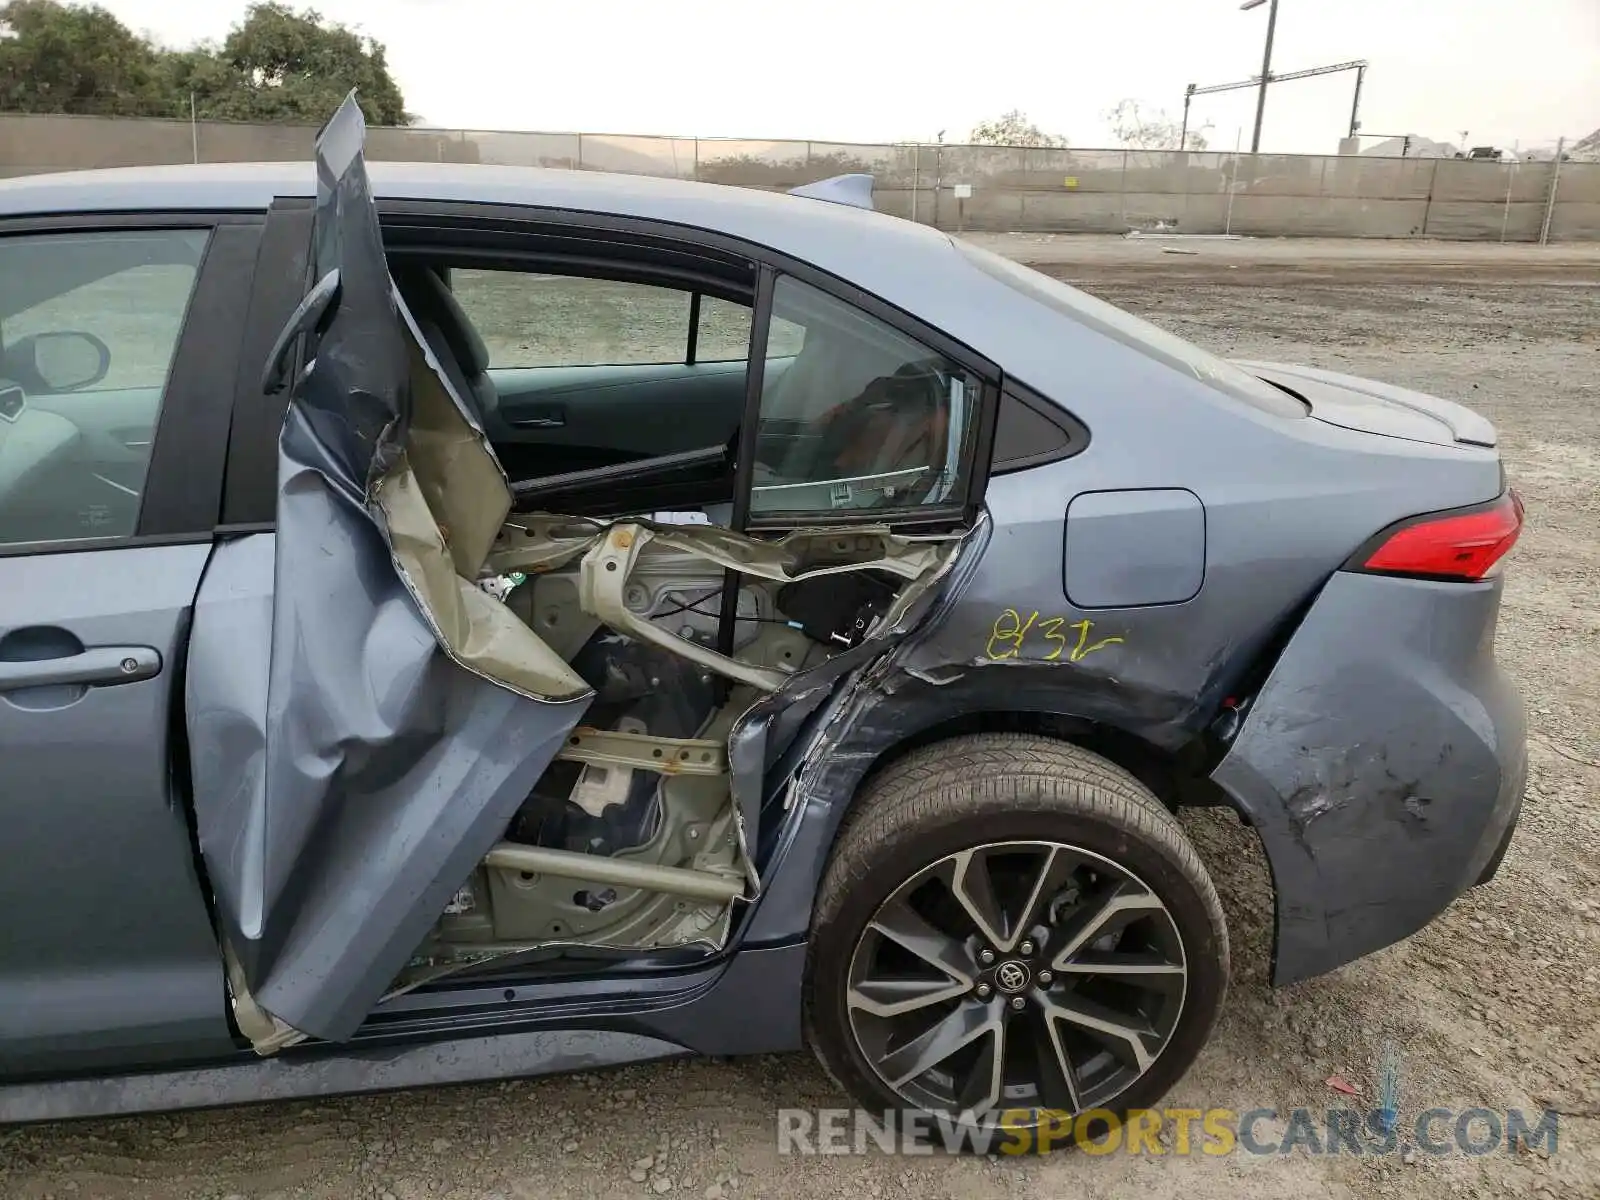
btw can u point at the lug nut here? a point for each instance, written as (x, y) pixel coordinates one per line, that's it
(986, 957)
(1025, 948)
(983, 991)
(1045, 977)
(1018, 1002)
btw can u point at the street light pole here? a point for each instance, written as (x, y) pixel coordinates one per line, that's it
(1266, 66)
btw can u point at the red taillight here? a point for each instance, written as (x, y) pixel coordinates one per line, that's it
(1463, 545)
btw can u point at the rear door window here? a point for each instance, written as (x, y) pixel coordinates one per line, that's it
(527, 319)
(536, 320)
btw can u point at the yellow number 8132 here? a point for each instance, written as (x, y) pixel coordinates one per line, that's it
(1011, 631)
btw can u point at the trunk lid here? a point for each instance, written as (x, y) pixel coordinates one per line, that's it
(1381, 408)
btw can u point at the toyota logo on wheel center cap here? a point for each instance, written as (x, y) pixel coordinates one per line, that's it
(1012, 976)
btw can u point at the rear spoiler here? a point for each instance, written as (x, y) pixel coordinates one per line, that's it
(852, 190)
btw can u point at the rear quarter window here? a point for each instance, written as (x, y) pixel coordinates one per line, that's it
(1136, 333)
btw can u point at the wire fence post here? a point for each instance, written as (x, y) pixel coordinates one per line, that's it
(1122, 192)
(1505, 215)
(1233, 184)
(1021, 223)
(916, 177)
(1550, 200)
(194, 129)
(1175, 161)
(1433, 183)
(580, 152)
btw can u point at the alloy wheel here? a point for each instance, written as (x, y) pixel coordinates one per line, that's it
(1016, 975)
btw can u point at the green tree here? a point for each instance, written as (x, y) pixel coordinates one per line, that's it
(1013, 129)
(282, 65)
(276, 65)
(77, 59)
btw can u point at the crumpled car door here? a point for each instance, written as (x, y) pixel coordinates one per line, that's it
(404, 713)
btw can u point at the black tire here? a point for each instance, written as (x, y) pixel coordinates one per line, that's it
(1000, 788)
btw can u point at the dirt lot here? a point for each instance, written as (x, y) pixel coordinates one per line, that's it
(1495, 1005)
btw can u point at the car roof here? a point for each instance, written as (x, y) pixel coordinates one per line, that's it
(253, 186)
(912, 266)
(828, 235)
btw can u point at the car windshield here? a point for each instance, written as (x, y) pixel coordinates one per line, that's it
(1135, 332)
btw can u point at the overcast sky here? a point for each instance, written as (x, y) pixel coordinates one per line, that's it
(873, 70)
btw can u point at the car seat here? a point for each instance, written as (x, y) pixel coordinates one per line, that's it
(450, 335)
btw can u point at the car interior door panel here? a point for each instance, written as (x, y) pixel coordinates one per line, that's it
(563, 419)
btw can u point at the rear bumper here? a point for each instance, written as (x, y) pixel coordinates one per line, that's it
(1382, 765)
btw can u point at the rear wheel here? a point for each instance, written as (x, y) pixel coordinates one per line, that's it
(1012, 923)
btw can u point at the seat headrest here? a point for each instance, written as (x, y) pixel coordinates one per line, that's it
(432, 303)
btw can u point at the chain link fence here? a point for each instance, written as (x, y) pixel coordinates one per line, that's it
(994, 188)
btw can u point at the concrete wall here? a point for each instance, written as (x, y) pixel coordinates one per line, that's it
(1013, 189)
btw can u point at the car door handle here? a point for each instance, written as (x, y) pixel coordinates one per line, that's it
(96, 665)
(552, 416)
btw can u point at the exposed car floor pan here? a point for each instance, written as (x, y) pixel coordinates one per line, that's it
(592, 868)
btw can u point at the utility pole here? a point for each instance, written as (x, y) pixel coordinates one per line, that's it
(1355, 104)
(1266, 66)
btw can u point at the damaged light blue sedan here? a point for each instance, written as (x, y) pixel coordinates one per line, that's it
(463, 622)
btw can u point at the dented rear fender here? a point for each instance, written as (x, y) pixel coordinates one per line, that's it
(1382, 764)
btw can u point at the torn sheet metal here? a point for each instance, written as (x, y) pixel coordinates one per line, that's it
(768, 727)
(406, 713)
(608, 565)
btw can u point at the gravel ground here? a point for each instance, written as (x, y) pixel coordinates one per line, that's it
(1496, 1004)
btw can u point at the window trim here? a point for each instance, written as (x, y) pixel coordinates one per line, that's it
(460, 232)
(188, 454)
(755, 375)
(693, 340)
(181, 497)
(282, 276)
